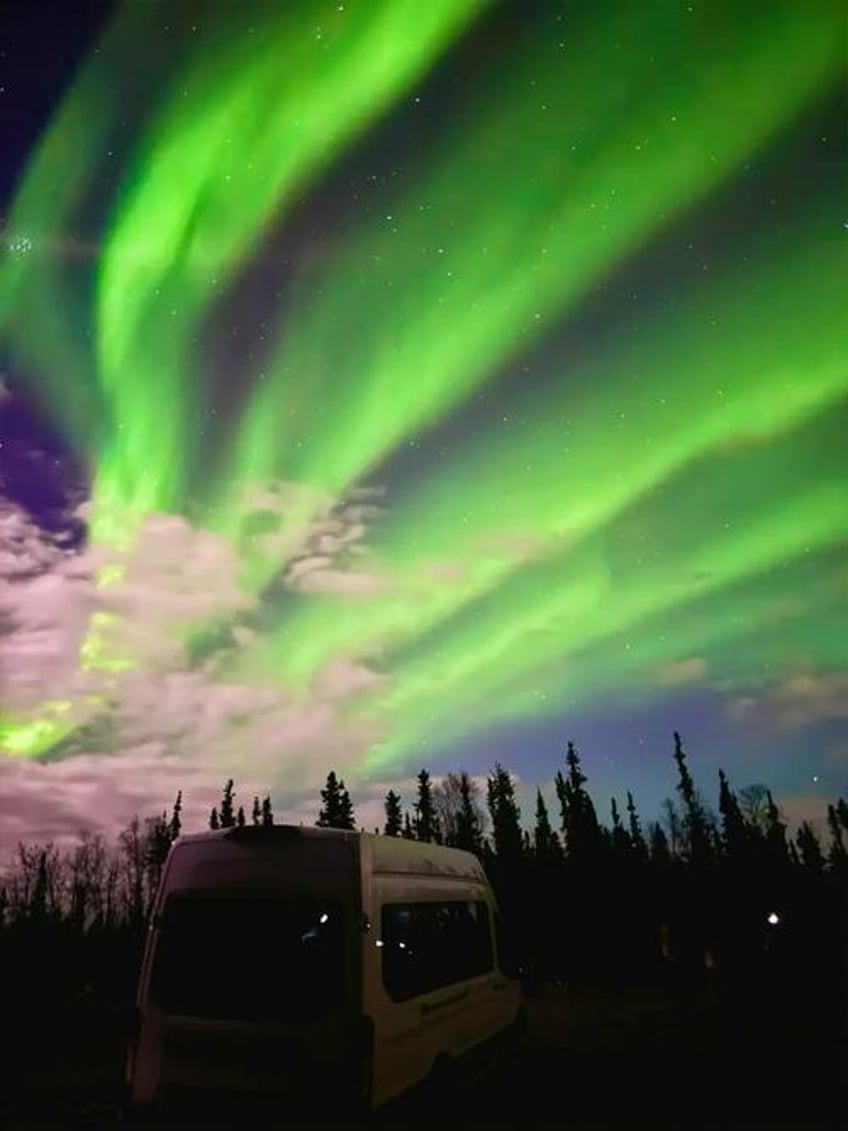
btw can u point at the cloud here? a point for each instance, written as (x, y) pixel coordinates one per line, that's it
(798, 701)
(334, 541)
(317, 575)
(25, 552)
(678, 673)
(90, 793)
(106, 641)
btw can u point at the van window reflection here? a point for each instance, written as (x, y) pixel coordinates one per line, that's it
(249, 958)
(429, 945)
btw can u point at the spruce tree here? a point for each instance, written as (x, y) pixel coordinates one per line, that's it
(337, 809)
(330, 812)
(214, 822)
(175, 825)
(505, 814)
(226, 815)
(620, 839)
(408, 831)
(267, 813)
(695, 821)
(637, 839)
(545, 840)
(256, 813)
(775, 832)
(347, 819)
(660, 851)
(809, 847)
(240, 818)
(469, 835)
(426, 826)
(837, 854)
(394, 820)
(735, 835)
(579, 820)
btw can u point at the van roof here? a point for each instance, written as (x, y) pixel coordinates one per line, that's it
(388, 853)
(394, 854)
(263, 832)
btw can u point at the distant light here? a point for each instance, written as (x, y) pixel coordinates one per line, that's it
(324, 917)
(402, 945)
(379, 942)
(815, 777)
(774, 918)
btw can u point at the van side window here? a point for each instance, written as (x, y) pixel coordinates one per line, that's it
(429, 945)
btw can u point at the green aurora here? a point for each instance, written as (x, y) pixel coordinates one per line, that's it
(669, 496)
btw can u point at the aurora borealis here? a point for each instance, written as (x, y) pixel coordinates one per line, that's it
(446, 376)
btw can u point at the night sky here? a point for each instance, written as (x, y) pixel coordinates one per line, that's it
(391, 384)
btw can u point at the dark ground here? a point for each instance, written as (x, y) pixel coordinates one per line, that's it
(610, 1060)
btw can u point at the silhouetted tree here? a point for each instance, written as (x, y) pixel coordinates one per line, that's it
(226, 814)
(214, 821)
(267, 812)
(673, 826)
(336, 809)
(256, 813)
(408, 831)
(579, 820)
(394, 820)
(176, 824)
(470, 824)
(695, 819)
(754, 805)
(660, 849)
(735, 837)
(426, 824)
(505, 814)
(132, 851)
(545, 840)
(775, 833)
(157, 841)
(637, 840)
(620, 839)
(809, 847)
(836, 855)
(240, 817)
(448, 803)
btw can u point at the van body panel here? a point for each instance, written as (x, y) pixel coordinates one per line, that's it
(410, 1034)
(266, 970)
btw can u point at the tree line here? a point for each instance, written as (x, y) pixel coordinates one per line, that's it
(725, 894)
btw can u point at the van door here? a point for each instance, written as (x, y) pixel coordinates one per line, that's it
(251, 982)
(435, 966)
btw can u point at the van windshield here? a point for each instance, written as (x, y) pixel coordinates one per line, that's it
(246, 956)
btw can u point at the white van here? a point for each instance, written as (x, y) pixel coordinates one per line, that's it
(284, 960)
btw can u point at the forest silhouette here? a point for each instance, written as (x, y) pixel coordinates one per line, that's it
(725, 900)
